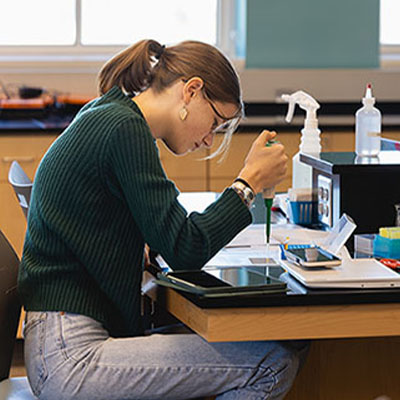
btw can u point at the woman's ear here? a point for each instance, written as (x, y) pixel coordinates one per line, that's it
(192, 88)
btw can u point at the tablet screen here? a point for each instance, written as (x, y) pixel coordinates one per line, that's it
(234, 277)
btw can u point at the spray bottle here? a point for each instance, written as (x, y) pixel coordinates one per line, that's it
(310, 140)
(368, 127)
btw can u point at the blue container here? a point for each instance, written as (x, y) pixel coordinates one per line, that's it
(387, 248)
(304, 212)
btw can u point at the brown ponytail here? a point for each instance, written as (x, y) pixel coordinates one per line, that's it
(130, 69)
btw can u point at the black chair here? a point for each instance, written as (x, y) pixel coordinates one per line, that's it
(21, 184)
(10, 310)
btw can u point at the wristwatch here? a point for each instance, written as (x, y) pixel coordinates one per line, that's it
(244, 192)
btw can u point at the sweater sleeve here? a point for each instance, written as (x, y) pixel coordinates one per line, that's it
(185, 241)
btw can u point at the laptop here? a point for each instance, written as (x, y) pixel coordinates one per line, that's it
(365, 273)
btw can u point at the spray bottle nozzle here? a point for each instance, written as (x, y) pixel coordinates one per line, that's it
(306, 102)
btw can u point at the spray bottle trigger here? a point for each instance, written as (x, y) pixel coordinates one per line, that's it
(291, 107)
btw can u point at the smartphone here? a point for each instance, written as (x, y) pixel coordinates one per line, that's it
(312, 257)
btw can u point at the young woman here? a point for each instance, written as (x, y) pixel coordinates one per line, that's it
(100, 193)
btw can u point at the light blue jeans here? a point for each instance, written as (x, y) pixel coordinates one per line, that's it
(70, 356)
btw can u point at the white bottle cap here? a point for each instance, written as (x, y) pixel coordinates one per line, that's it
(368, 100)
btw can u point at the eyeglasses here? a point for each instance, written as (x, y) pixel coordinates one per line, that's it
(229, 124)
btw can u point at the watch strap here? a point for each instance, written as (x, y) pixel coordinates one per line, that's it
(244, 192)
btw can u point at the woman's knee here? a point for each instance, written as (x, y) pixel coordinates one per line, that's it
(293, 355)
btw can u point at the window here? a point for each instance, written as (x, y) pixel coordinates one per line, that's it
(82, 34)
(126, 21)
(390, 33)
(389, 22)
(39, 22)
(104, 23)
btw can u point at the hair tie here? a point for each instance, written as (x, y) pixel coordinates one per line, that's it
(160, 52)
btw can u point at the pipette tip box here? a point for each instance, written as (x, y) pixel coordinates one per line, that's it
(387, 248)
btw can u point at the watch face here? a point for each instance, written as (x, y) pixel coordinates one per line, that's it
(249, 193)
(244, 192)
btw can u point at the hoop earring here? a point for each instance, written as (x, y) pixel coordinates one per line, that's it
(183, 113)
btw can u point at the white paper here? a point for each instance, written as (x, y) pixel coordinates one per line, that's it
(292, 234)
(253, 235)
(255, 255)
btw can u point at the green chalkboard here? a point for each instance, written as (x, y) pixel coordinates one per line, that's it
(312, 34)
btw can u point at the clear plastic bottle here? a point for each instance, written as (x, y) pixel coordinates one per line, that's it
(368, 127)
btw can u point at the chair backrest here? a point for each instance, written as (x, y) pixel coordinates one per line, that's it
(21, 184)
(10, 307)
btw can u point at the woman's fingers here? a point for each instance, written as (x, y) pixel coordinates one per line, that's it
(265, 166)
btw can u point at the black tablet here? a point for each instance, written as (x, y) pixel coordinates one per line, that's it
(224, 281)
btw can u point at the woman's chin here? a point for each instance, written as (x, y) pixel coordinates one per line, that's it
(177, 150)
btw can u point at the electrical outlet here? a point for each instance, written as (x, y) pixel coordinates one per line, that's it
(325, 202)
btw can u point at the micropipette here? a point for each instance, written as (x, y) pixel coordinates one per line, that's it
(268, 195)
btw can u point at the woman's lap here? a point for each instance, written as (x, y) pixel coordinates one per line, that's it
(73, 356)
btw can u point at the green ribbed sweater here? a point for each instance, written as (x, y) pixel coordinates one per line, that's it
(99, 194)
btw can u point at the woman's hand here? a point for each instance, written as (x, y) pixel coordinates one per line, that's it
(264, 166)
